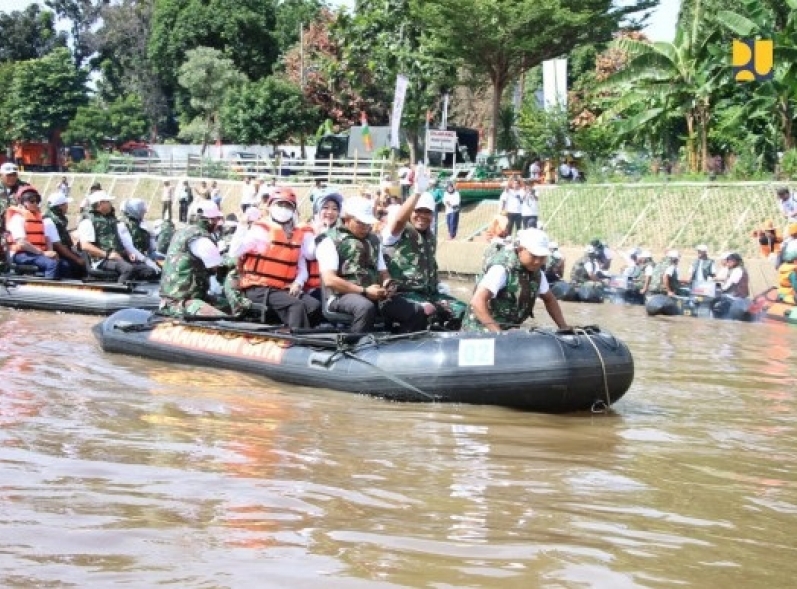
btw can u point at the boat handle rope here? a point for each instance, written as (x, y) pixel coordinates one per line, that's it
(595, 406)
(392, 377)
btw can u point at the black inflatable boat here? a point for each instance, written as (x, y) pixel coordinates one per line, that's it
(536, 370)
(75, 296)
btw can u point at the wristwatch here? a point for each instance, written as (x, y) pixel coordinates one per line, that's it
(365, 290)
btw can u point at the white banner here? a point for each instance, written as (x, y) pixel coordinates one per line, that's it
(554, 83)
(398, 107)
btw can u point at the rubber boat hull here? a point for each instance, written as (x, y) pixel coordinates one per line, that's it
(588, 292)
(713, 308)
(535, 370)
(75, 296)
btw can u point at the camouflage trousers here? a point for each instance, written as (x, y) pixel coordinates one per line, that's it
(233, 296)
(449, 310)
(189, 308)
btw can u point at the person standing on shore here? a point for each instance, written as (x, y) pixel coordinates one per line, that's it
(167, 198)
(788, 204)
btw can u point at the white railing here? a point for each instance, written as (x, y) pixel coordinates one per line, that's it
(333, 171)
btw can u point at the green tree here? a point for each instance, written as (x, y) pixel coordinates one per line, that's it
(543, 132)
(291, 17)
(777, 96)
(241, 29)
(95, 123)
(664, 80)
(122, 59)
(270, 111)
(28, 34)
(501, 39)
(7, 70)
(206, 77)
(44, 96)
(381, 40)
(82, 16)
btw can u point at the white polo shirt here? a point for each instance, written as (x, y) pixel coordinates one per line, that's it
(496, 279)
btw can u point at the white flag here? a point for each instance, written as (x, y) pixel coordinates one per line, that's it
(398, 107)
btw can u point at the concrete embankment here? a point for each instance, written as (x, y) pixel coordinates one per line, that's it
(657, 217)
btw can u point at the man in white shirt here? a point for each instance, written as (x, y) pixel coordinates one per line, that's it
(353, 269)
(99, 237)
(788, 204)
(248, 194)
(737, 285)
(192, 259)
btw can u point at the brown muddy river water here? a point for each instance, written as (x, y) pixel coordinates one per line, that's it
(119, 471)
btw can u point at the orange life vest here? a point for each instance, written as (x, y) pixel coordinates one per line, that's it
(34, 229)
(278, 264)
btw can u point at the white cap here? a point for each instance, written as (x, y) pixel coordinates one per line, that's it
(426, 201)
(57, 199)
(360, 208)
(702, 248)
(209, 210)
(673, 254)
(533, 240)
(553, 245)
(724, 255)
(8, 168)
(645, 254)
(99, 196)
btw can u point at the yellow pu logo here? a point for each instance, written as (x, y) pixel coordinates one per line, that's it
(753, 60)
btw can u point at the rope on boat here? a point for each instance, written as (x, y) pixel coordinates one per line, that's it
(585, 333)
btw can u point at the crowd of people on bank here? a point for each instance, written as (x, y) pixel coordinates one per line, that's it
(370, 259)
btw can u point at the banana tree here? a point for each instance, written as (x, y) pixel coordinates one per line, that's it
(662, 80)
(779, 94)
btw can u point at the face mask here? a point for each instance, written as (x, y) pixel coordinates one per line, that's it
(281, 214)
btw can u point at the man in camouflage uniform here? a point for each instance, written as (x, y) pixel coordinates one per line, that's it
(57, 209)
(509, 285)
(353, 270)
(191, 260)
(9, 186)
(410, 247)
(100, 239)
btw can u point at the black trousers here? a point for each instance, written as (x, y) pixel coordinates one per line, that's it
(408, 315)
(128, 271)
(295, 312)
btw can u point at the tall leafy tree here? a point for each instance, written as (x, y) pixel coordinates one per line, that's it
(95, 123)
(82, 16)
(28, 34)
(269, 111)
(500, 39)
(206, 77)
(382, 39)
(291, 17)
(241, 29)
(44, 96)
(317, 68)
(122, 59)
